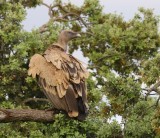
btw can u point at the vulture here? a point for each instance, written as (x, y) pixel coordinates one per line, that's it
(62, 77)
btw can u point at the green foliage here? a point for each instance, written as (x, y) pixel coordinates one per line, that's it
(62, 127)
(110, 130)
(123, 56)
(150, 69)
(126, 89)
(28, 3)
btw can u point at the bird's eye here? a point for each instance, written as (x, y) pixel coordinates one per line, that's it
(70, 33)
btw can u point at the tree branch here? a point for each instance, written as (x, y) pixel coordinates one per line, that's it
(65, 13)
(11, 115)
(157, 102)
(45, 5)
(35, 100)
(153, 88)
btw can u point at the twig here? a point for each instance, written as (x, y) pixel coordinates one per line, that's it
(45, 5)
(153, 88)
(157, 102)
(50, 9)
(35, 100)
(89, 33)
(63, 18)
(60, 7)
(102, 58)
(152, 106)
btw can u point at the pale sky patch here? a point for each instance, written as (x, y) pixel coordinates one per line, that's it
(39, 15)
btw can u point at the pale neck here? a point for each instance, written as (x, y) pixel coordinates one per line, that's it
(63, 43)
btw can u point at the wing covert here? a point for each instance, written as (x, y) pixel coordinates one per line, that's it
(61, 77)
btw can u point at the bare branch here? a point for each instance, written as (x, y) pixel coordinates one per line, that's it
(78, 18)
(88, 33)
(104, 57)
(45, 5)
(60, 7)
(35, 100)
(50, 9)
(11, 115)
(43, 29)
(156, 85)
(157, 102)
(50, 12)
(153, 88)
(63, 18)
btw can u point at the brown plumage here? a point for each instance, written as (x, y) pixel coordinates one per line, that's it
(62, 77)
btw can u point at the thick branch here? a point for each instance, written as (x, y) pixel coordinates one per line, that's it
(11, 115)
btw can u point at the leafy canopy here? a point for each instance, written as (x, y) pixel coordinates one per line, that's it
(123, 56)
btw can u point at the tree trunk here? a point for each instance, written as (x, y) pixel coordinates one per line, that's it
(11, 115)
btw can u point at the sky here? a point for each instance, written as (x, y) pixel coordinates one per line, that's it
(38, 16)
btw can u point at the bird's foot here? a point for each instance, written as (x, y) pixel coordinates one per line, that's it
(56, 111)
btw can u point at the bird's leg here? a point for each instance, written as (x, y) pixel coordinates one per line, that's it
(50, 109)
(53, 109)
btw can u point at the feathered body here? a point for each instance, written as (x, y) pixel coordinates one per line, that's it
(62, 78)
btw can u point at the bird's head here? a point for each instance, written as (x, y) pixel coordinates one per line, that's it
(68, 35)
(65, 36)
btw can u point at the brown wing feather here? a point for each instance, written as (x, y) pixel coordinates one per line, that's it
(54, 98)
(62, 78)
(72, 104)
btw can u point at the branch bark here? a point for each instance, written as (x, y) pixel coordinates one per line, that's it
(11, 115)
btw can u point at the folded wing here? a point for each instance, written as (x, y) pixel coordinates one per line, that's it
(62, 78)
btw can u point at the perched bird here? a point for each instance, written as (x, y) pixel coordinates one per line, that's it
(62, 77)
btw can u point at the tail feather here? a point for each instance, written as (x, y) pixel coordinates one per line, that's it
(82, 109)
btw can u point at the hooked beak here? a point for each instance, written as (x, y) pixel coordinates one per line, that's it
(78, 35)
(75, 35)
